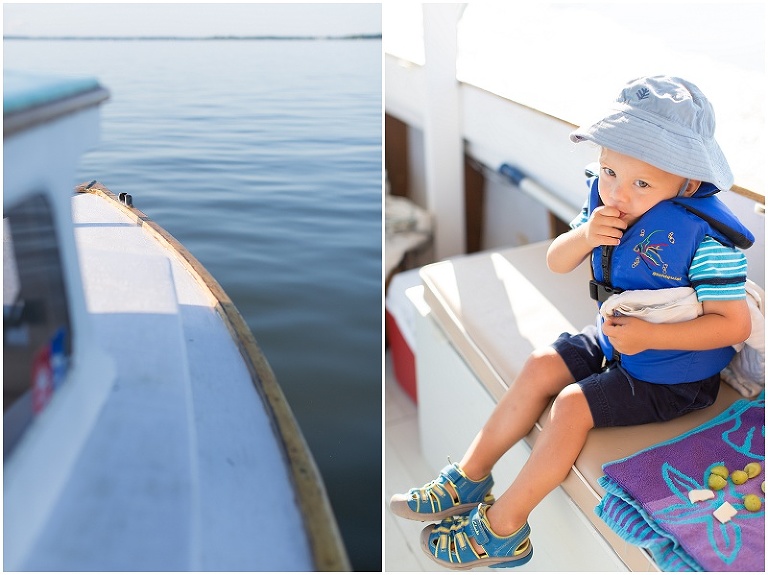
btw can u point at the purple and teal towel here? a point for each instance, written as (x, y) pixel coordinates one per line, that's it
(647, 495)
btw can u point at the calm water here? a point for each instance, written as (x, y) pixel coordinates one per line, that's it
(264, 159)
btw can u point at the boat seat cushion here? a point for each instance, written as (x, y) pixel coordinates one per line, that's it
(496, 307)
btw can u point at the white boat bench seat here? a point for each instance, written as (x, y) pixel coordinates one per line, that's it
(495, 308)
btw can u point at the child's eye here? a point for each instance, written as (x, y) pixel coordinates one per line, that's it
(608, 171)
(641, 184)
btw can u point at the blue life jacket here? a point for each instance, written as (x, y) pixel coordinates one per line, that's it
(656, 252)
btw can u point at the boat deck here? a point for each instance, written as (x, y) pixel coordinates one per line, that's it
(404, 467)
(173, 436)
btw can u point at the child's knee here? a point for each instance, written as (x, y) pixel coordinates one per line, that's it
(571, 404)
(544, 358)
(546, 369)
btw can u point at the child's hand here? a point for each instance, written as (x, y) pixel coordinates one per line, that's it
(628, 335)
(605, 227)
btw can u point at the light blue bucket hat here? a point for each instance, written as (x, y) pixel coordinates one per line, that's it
(666, 122)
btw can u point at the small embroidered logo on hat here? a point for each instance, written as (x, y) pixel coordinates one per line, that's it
(643, 93)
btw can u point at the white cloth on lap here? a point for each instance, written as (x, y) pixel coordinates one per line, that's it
(746, 371)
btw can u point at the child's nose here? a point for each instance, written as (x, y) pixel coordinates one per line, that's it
(619, 193)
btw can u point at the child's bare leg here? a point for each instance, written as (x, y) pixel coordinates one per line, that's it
(543, 376)
(554, 453)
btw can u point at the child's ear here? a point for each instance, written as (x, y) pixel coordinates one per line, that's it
(691, 188)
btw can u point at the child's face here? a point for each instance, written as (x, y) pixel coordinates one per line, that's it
(634, 187)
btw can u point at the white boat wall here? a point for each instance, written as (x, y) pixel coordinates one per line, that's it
(451, 145)
(143, 427)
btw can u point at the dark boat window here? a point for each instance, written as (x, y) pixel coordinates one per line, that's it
(36, 326)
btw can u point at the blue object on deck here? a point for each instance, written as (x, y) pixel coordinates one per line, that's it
(26, 90)
(513, 173)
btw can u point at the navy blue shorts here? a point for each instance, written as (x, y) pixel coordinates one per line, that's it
(617, 399)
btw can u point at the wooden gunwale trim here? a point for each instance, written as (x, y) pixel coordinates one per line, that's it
(739, 190)
(749, 194)
(323, 533)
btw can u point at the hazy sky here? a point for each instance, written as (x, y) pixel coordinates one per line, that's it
(191, 19)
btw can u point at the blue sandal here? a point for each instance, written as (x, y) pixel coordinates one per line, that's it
(448, 543)
(434, 501)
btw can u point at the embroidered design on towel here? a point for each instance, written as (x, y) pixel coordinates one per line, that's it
(724, 539)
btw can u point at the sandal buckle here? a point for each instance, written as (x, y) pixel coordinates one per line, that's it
(479, 532)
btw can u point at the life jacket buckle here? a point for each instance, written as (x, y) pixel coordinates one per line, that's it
(601, 292)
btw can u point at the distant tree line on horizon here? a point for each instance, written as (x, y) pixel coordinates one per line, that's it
(258, 37)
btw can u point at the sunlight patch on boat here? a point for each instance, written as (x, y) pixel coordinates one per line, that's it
(535, 325)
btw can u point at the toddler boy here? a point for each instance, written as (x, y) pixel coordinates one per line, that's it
(651, 221)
